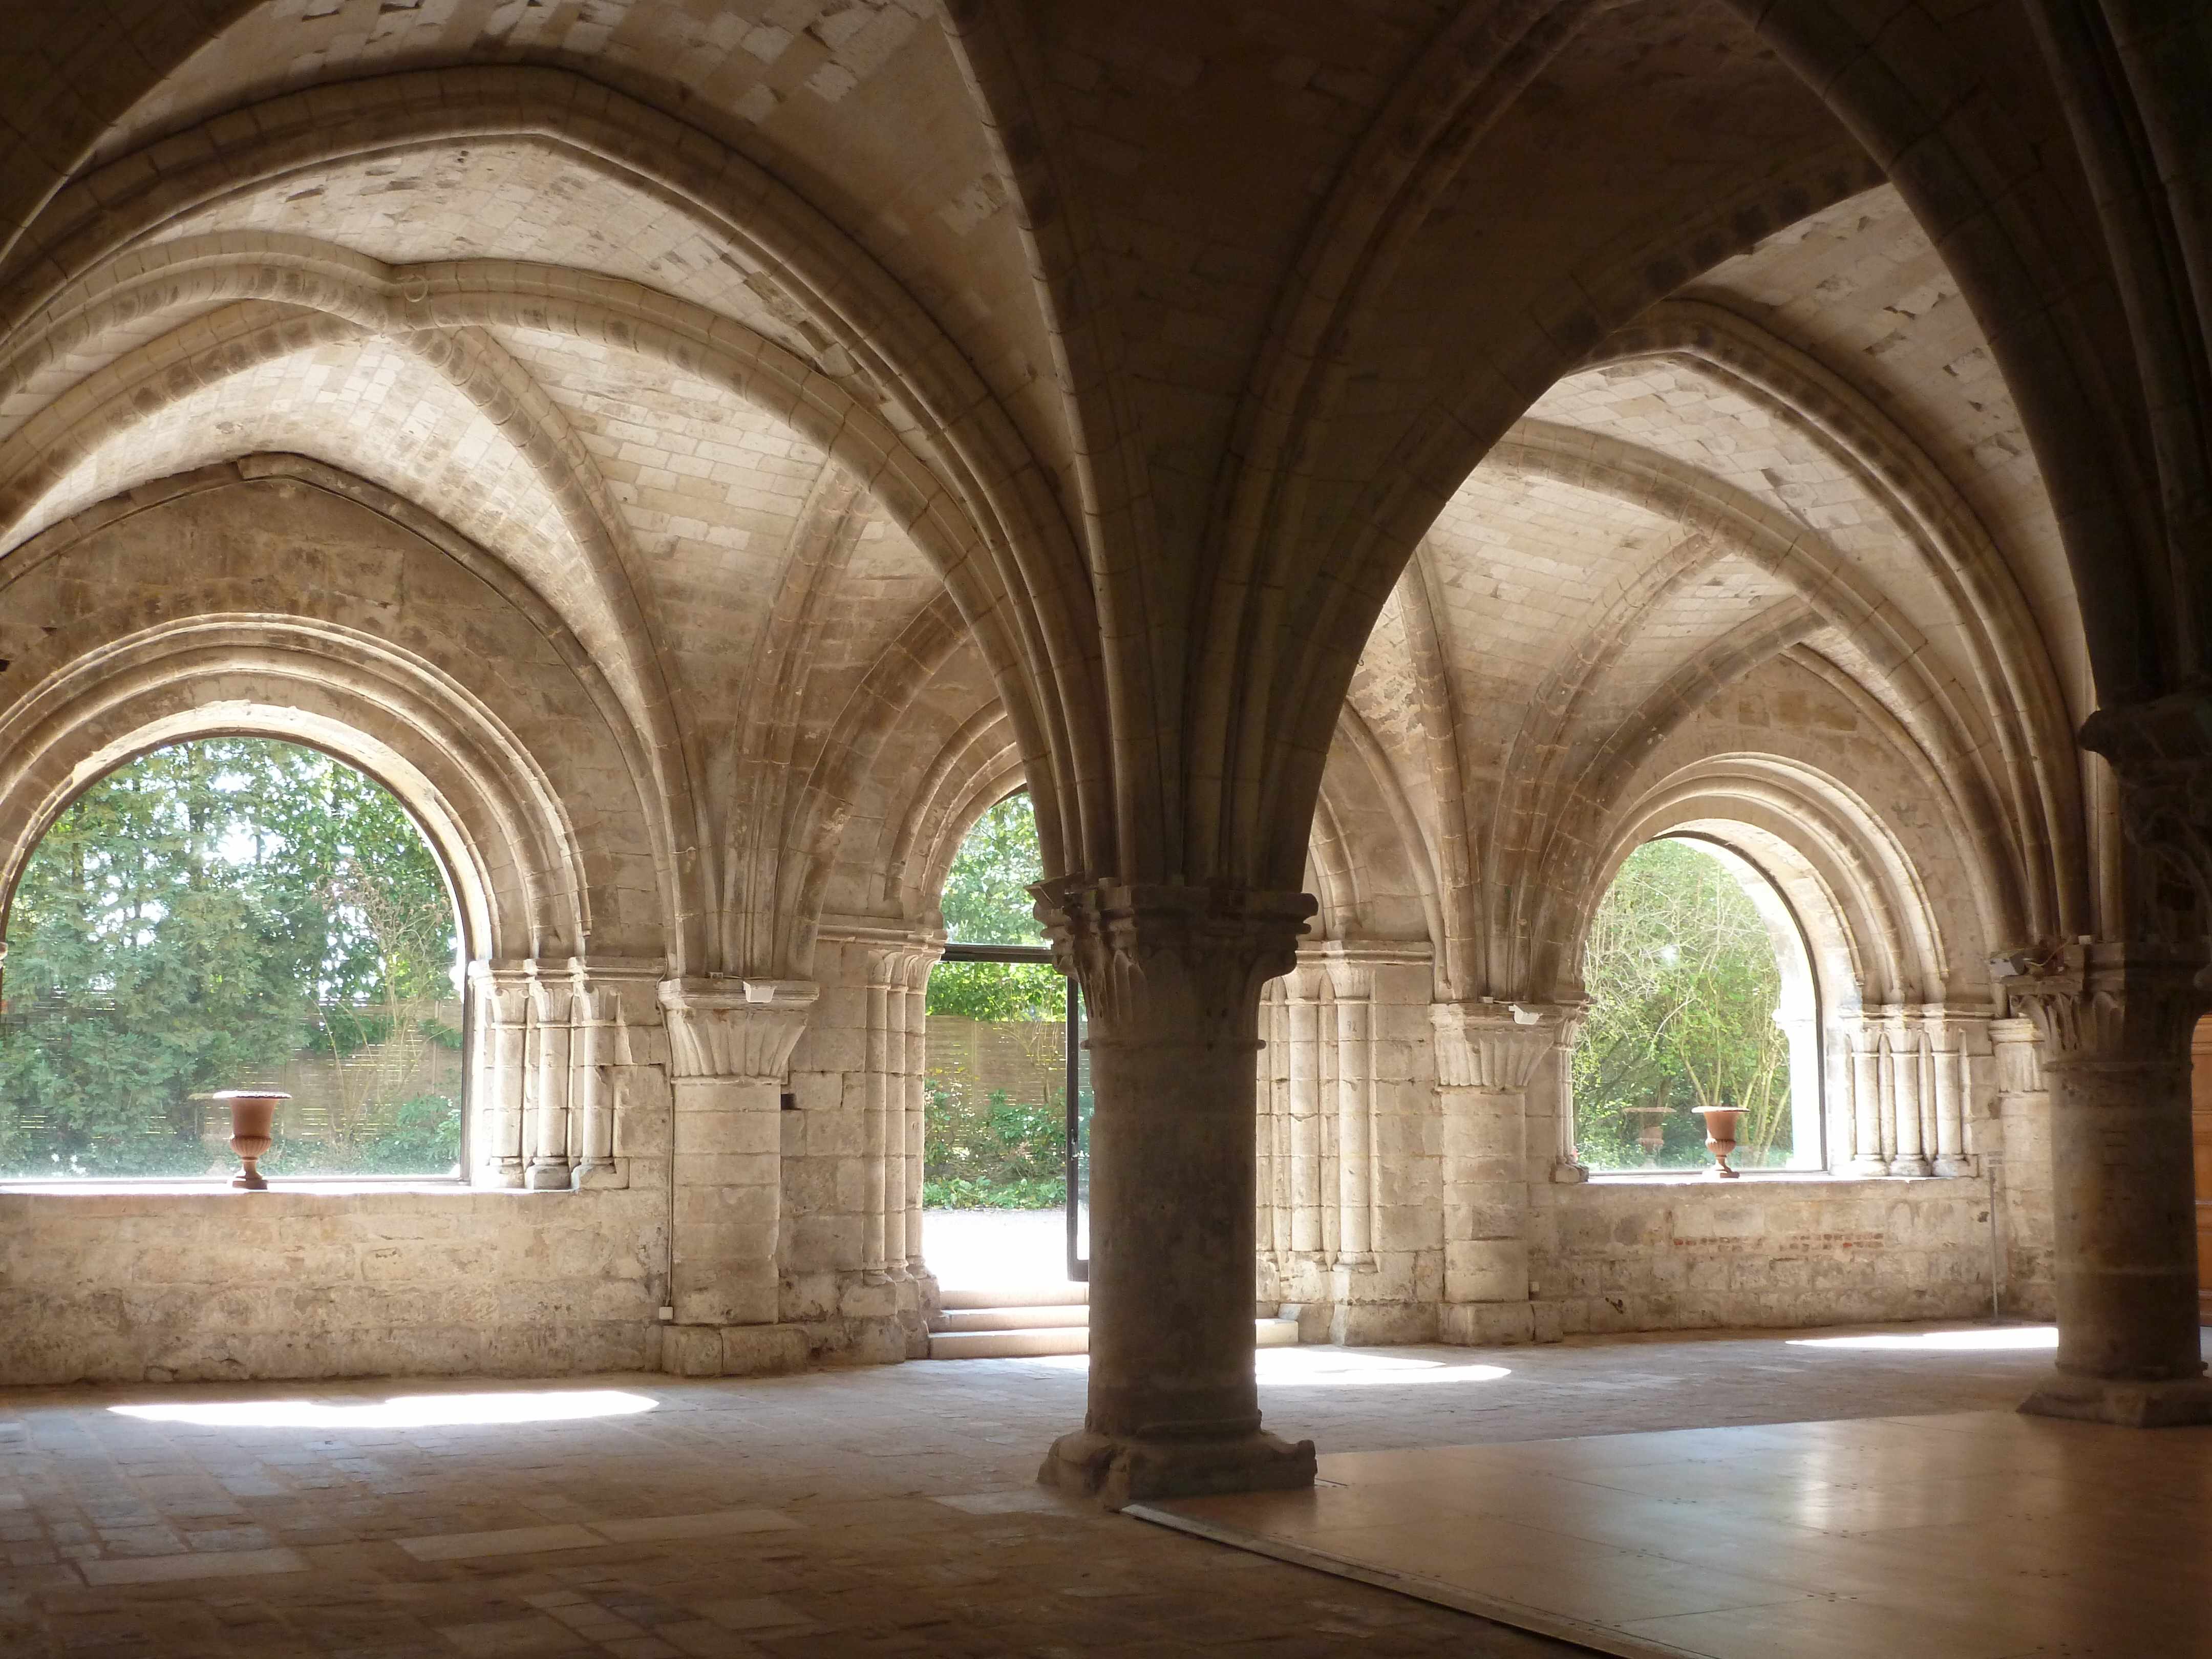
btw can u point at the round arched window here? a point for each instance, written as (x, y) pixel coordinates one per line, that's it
(1701, 994)
(223, 912)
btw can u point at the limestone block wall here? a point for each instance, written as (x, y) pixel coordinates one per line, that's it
(1646, 1255)
(2015, 1138)
(1618, 1253)
(155, 1284)
(1351, 1240)
(849, 1252)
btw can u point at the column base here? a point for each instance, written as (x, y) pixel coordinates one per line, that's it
(1913, 1168)
(598, 1173)
(732, 1350)
(548, 1178)
(1118, 1471)
(2171, 1404)
(1957, 1166)
(1487, 1324)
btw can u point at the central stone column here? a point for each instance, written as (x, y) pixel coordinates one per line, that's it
(1170, 978)
(2116, 1021)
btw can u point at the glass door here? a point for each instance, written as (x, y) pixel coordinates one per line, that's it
(1078, 1140)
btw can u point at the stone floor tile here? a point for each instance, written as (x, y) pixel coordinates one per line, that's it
(1004, 1503)
(715, 1524)
(532, 1637)
(859, 1462)
(753, 1613)
(700, 1639)
(166, 1568)
(508, 1540)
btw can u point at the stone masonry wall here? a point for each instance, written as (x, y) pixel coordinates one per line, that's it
(1350, 1247)
(1643, 1255)
(158, 1285)
(849, 1252)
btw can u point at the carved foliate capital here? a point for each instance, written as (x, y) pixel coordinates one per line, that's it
(2105, 1000)
(502, 993)
(2017, 1048)
(551, 992)
(1349, 980)
(722, 1028)
(1188, 959)
(1496, 1045)
(2161, 753)
(903, 967)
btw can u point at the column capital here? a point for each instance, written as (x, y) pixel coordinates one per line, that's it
(2162, 753)
(2105, 1000)
(2017, 1048)
(734, 1028)
(503, 990)
(1145, 953)
(1496, 1045)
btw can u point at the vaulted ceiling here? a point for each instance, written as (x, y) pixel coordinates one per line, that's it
(1533, 367)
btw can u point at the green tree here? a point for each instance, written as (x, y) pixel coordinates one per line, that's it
(999, 1147)
(198, 919)
(986, 902)
(1683, 985)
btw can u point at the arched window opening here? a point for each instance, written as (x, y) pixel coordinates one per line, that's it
(995, 1166)
(1701, 994)
(223, 912)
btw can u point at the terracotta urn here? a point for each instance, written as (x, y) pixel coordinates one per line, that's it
(1721, 1123)
(253, 1118)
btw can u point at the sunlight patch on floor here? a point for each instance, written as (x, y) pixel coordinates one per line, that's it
(406, 1410)
(2005, 1339)
(1320, 1367)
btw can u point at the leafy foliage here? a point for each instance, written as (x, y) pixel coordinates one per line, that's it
(199, 918)
(987, 896)
(1683, 985)
(1008, 1149)
(986, 902)
(1002, 1154)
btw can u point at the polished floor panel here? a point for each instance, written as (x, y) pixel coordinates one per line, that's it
(1968, 1535)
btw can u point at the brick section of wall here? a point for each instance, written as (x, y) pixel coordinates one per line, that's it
(216, 1285)
(1701, 1255)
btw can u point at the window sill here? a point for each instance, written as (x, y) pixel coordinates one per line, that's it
(314, 1186)
(1791, 1177)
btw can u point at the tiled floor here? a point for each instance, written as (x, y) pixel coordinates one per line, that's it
(881, 1511)
(1974, 1535)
